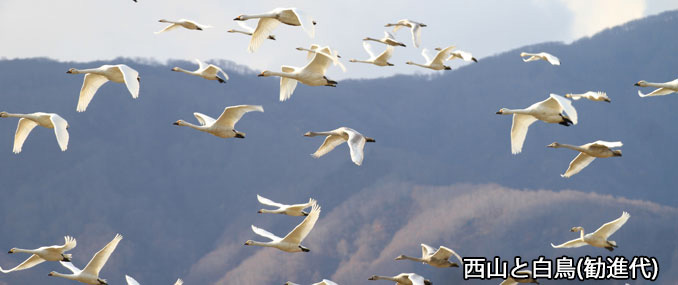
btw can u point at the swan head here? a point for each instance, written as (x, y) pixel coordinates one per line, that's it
(178, 123)
(409, 62)
(264, 73)
(249, 242)
(522, 54)
(72, 71)
(175, 69)
(641, 83)
(400, 257)
(576, 229)
(368, 139)
(554, 145)
(501, 111)
(240, 18)
(51, 273)
(374, 277)
(11, 250)
(617, 152)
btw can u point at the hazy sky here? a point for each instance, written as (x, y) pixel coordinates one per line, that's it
(84, 30)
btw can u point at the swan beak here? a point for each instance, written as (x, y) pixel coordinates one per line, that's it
(636, 84)
(69, 72)
(199, 28)
(49, 274)
(240, 136)
(261, 74)
(307, 134)
(315, 23)
(259, 212)
(499, 113)
(10, 251)
(176, 123)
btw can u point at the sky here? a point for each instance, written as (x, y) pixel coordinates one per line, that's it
(85, 30)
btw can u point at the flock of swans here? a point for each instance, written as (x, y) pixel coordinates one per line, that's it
(555, 110)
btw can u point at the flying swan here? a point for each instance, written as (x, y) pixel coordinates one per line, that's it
(355, 140)
(46, 120)
(95, 77)
(292, 241)
(42, 254)
(224, 126)
(463, 55)
(437, 258)
(415, 29)
(209, 72)
(188, 24)
(290, 210)
(247, 30)
(588, 153)
(388, 39)
(437, 62)
(591, 95)
(599, 237)
(379, 60)
(269, 21)
(549, 110)
(315, 48)
(665, 88)
(404, 279)
(90, 274)
(540, 56)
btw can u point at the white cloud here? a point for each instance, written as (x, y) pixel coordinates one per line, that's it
(592, 16)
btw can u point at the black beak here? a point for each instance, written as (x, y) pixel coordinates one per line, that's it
(175, 123)
(422, 25)
(199, 28)
(260, 75)
(636, 84)
(49, 274)
(498, 113)
(9, 251)
(240, 136)
(314, 23)
(474, 59)
(69, 72)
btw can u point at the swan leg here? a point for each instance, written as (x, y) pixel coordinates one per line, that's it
(566, 121)
(609, 248)
(221, 80)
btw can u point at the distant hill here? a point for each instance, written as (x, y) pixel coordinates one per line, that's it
(184, 200)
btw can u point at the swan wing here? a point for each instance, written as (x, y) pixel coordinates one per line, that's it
(466, 56)
(416, 35)
(368, 48)
(657, 92)
(356, 144)
(385, 55)
(232, 114)
(551, 58)
(326, 282)
(610, 228)
(563, 104)
(442, 55)
(69, 244)
(328, 145)
(531, 58)
(608, 144)
(416, 279)
(521, 123)
(577, 164)
(168, 28)
(131, 77)
(571, 244)
(60, 130)
(70, 267)
(389, 35)
(215, 70)
(264, 28)
(245, 26)
(23, 129)
(426, 250)
(305, 21)
(201, 65)
(265, 233)
(444, 253)
(424, 53)
(287, 85)
(301, 231)
(131, 281)
(101, 257)
(90, 86)
(203, 119)
(320, 62)
(179, 282)
(509, 281)
(28, 263)
(268, 202)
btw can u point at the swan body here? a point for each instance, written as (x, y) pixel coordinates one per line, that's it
(324, 282)
(46, 120)
(315, 48)
(540, 56)
(187, 24)
(404, 279)
(290, 210)
(209, 72)
(96, 77)
(665, 88)
(415, 29)
(90, 274)
(42, 254)
(269, 21)
(588, 153)
(355, 140)
(312, 74)
(437, 62)
(551, 110)
(599, 238)
(591, 95)
(388, 39)
(224, 126)
(379, 60)
(437, 258)
(132, 281)
(463, 55)
(292, 241)
(514, 281)
(247, 30)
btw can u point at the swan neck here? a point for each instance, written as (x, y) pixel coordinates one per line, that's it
(67, 276)
(385, 278)
(659, 85)
(515, 111)
(281, 74)
(258, 16)
(313, 134)
(266, 211)
(572, 147)
(266, 244)
(89, 70)
(16, 116)
(31, 251)
(187, 124)
(413, 258)
(185, 71)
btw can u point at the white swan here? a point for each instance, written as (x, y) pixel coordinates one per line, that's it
(463, 55)
(599, 238)
(95, 77)
(247, 30)
(549, 110)
(224, 126)
(379, 60)
(188, 24)
(404, 279)
(437, 258)
(589, 152)
(665, 88)
(355, 140)
(209, 72)
(526, 278)
(132, 281)
(269, 21)
(315, 48)
(290, 210)
(45, 120)
(388, 39)
(42, 254)
(540, 56)
(437, 62)
(415, 29)
(312, 74)
(90, 274)
(324, 282)
(292, 241)
(591, 95)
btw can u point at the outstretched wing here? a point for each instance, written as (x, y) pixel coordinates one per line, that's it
(424, 53)
(245, 26)
(265, 233)
(202, 65)
(356, 144)
(261, 33)
(305, 21)
(23, 129)
(386, 55)
(268, 202)
(304, 228)
(179, 282)
(28, 263)
(657, 92)
(551, 58)
(69, 244)
(70, 267)
(563, 104)
(521, 123)
(101, 257)
(60, 130)
(328, 145)
(608, 144)
(368, 48)
(321, 61)
(577, 164)
(444, 253)
(287, 85)
(90, 85)
(416, 279)
(442, 55)
(168, 28)
(131, 77)
(610, 228)
(416, 35)
(131, 281)
(232, 114)
(571, 244)
(203, 119)
(426, 250)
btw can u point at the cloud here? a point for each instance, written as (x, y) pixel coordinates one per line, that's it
(594, 16)
(363, 235)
